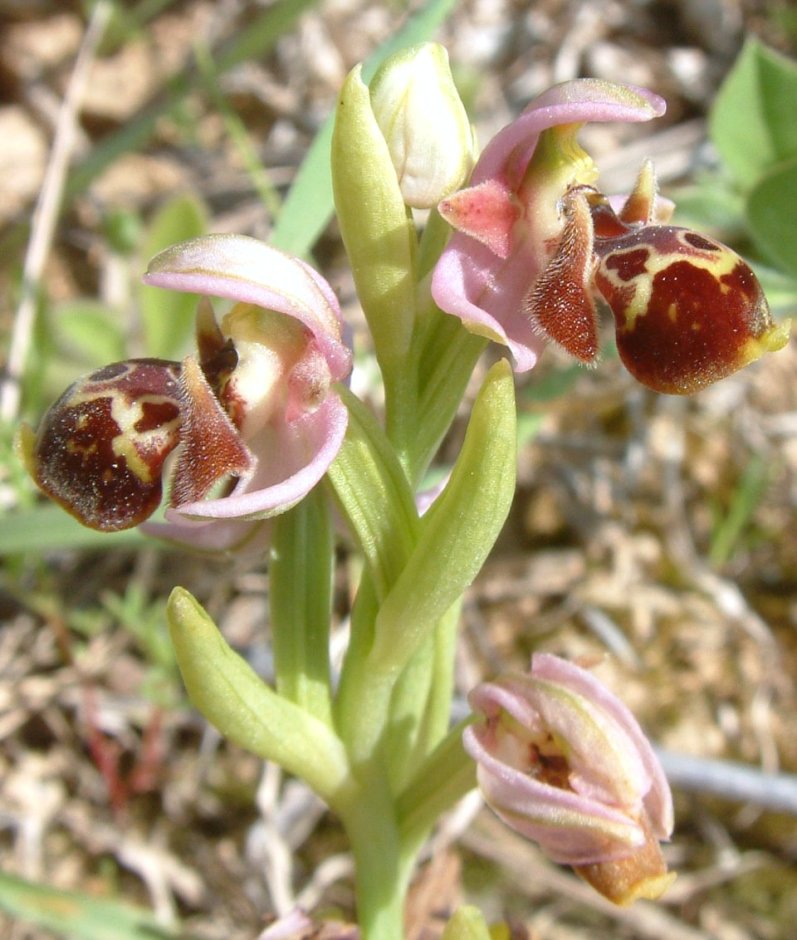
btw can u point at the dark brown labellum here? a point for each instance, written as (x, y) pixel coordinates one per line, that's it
(100, 449)
(688, 310)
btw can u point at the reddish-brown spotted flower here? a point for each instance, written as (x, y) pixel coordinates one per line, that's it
(534, 242)
(241, 432)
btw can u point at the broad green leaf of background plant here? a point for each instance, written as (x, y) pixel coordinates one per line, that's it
(78, 916)
(90, 332)
(753, 123)
(168, 316)
(772, 214)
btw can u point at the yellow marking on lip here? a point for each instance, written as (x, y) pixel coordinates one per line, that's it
(717, 263)
(129, 444)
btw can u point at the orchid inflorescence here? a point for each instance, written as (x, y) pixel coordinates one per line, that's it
(243, 431)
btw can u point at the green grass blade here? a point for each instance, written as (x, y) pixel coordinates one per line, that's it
(308, 206)
(45, 528)
(78, 916)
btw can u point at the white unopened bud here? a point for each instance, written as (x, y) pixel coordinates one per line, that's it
(419, 111)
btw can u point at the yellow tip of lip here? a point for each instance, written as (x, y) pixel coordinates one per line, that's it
(777, 337)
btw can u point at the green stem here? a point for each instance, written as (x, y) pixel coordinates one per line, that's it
(370, 822)
(363, 699)
(408, 705)
(301, 600)
(421, 702)
(434, 723)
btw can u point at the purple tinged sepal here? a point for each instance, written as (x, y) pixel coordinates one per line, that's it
(563, 762)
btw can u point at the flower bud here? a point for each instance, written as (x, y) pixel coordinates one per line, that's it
(563, 762)
(423, 120)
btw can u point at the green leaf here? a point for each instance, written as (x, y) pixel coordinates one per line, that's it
(378, 233)
(730, 528)
(752, 123)
(48, 528)
(771, 214)
(248, 712)
(373, 494)
(76, 915)
(460, 529)
(168, 316)
(89, 330)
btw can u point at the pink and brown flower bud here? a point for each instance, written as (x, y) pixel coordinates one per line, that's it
(563, 762)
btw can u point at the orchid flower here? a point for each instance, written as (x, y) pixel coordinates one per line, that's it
(243, 430)
(563, 761)
(534, 241)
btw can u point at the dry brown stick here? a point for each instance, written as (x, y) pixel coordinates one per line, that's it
(45, 215)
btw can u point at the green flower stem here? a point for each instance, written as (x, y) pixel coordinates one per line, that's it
(458, 531)
(301, 601)
(421, 702)
(372, 492)
(363, 700)
(408, 705)
(446, 356)
(436, 718)
(233, 698)
(443, 779)
(370, 822)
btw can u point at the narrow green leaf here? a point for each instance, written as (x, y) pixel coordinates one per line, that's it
(236, 701)
(300, 599)
(167, 315)
(752, 122)
(76, 915)
(374, 496)
(48, 528)
(260, 36)
(748, 494)
(445, 776)
(771, 211)
(459, 530)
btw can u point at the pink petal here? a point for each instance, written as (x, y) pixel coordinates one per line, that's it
(658, 800)
(245, 269)
(298, 456)
(470, 281)
(586, 99)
